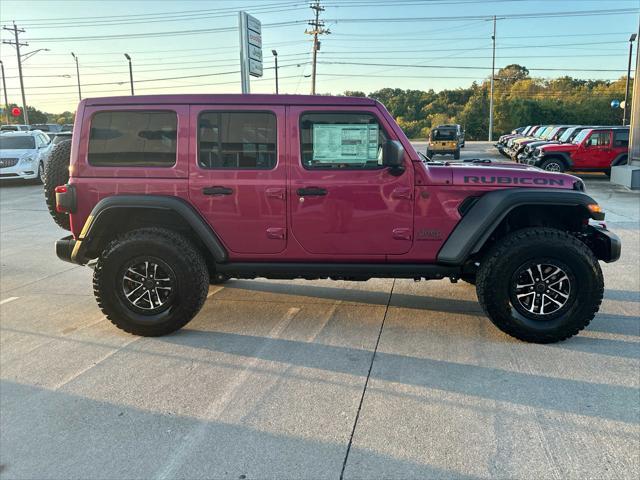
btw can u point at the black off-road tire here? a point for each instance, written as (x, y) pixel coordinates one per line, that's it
(187, 265)
(496, 280)
(456, 155)
(429, 154)
(57, 173)
(553, 165)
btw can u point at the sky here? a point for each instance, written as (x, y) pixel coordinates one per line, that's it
(192, 46)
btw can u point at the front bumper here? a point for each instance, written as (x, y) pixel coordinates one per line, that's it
(606, 245)
(22, 171)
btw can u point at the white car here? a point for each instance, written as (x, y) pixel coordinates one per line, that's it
(22, 155)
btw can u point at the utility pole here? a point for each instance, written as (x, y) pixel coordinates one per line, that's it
(318, 29)
(78, 74)
(626, 92)
(16, 31)
(493, 68)
(4, 87)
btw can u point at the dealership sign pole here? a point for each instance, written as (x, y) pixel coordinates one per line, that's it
(250, 48)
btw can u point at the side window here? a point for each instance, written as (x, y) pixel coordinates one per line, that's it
(133, 139)
(349, 141)
(621, 138)
(600, 139)
(237, 140)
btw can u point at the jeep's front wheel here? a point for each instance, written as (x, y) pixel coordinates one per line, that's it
(150, 282)
(540, 285)
(553, 165)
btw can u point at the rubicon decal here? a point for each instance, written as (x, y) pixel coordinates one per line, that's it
(513, 180)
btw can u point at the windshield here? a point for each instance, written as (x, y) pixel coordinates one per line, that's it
(566, 135)
(550, 133)
(443, 134)
(541, 133)
(581, 136)
(17, 143)
(60, 138)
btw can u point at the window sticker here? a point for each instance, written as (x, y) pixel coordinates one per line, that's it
(345, 143)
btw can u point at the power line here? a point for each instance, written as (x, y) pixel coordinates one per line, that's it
(467, 67)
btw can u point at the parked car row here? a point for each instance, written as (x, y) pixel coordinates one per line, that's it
(559, 148)
(43, 127)
(24, 154)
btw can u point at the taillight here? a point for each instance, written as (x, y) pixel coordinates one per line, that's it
(65, 199)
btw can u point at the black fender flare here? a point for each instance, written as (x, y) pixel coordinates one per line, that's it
(101, 218)
(617, 160)
(480, 221)
(566, 158)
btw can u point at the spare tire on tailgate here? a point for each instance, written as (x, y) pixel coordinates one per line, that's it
(57, 173)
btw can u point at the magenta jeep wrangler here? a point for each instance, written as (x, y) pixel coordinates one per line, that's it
(167, 194)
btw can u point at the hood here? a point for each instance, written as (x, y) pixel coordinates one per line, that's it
(11, 153)
(508, 175)
(558, 147)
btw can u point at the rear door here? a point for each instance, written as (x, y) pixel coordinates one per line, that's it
(342, 200)
(237, 175)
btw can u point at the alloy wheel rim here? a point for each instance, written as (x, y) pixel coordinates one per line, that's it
(553, 167)
(148, 285)
(541, 289)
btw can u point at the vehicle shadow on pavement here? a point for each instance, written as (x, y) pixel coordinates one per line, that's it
(565, 395)
(136, 443)
(605, 323)
(622, 295)
(403, 300)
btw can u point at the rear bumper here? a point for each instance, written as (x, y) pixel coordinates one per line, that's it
(69, 250)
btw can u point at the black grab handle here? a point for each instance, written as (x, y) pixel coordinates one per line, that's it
(315, 191)
(217, 191)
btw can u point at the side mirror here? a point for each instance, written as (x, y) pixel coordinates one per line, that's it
(393, 156)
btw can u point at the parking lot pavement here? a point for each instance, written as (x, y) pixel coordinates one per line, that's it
(279, 379)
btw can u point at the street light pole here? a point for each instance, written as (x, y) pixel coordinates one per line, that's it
(4, 87)
(493, 68)
(275, 56)
(78, 75)
(626, 92)
(130, 71)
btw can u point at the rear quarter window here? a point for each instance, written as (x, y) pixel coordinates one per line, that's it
(133, 139)
(621, 139)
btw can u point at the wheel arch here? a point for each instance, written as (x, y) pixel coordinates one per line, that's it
(501, 211)
(114, 215)
(562, 156)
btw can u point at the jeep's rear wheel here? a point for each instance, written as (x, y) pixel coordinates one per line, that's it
(540, 285)
(456, 155)
(56, 172)
(553, 165)
(150, 282)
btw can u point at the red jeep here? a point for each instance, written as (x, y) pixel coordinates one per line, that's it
(593, 149)
(169, 193)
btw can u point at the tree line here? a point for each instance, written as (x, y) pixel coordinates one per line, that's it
(519, 99)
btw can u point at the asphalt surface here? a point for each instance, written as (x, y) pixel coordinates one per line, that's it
(301, 379)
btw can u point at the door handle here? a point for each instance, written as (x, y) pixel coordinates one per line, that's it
(217, 191)
(312, 191)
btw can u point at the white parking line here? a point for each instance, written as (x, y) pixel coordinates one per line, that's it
(7, 300)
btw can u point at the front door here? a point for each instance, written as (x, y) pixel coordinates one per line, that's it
(342, 200)
(237, 175)
(595, 151)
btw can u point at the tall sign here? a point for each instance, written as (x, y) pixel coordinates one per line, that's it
(250, 48)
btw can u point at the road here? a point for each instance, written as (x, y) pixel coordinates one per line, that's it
(310, 379)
